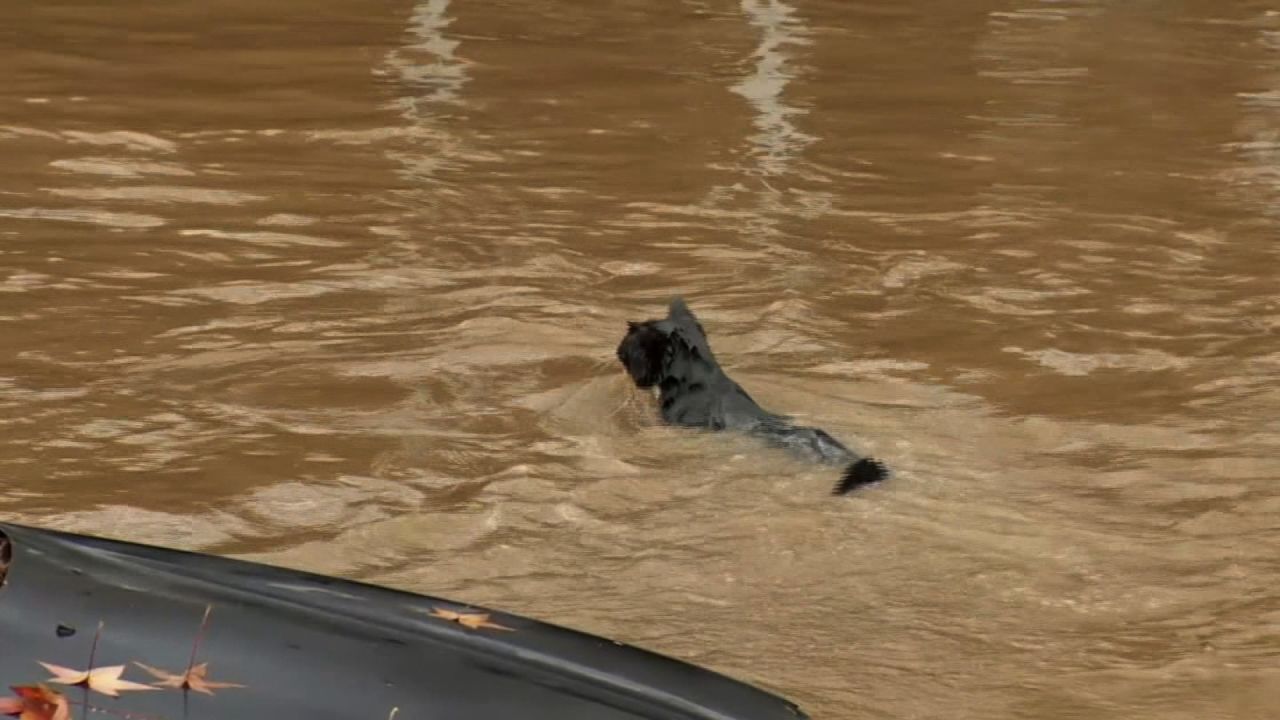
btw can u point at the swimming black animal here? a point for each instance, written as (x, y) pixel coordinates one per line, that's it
(673, 355)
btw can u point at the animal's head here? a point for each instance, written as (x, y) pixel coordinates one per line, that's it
(655, 350)
(644, 352)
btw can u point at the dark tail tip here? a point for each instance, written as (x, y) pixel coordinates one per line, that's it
(862, 472)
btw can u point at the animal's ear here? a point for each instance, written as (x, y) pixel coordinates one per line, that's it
(680, 311)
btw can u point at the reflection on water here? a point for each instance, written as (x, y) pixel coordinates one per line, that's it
(339, 290)
(429, 77)
(768, 183)
(430, 63)
(777, 139)
(1260, 122)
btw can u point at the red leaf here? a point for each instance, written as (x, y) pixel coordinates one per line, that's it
(36, 702)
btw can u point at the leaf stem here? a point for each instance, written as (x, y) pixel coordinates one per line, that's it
(195, 646)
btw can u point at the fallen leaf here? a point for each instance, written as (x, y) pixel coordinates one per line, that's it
(193, 679)
(473, 621)
(105, 680)
(35, 702)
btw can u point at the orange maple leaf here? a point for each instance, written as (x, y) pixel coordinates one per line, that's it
(105, 680)
(472, 621)
(35, 702)
(192, 679)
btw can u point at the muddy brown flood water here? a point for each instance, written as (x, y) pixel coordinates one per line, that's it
(336, 285)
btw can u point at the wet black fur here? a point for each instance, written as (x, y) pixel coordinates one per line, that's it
(673, 355)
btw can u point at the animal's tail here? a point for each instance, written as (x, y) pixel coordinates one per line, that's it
(862, 472)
